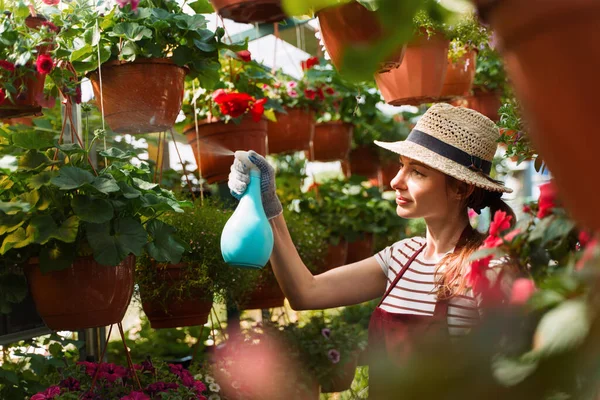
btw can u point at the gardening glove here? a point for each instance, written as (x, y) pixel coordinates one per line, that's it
(239, 177)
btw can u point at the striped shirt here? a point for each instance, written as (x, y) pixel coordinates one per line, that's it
(416, 291)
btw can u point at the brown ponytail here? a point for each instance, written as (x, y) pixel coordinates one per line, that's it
(451, 270)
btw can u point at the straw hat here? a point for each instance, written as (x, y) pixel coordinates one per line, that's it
(457, 141)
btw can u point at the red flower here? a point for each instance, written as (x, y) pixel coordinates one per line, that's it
(2, 96)
(320, 94)
(584, 238)
(258, 109)
(51, 2)
(330, 91)
(588, 254)
(136, 396)
(522, 290)
(44, 64)
(547, 199)
(500, 223)
(232, 104)
(244, 55)
(310, 94)
(476, 277)
(7, 65)
(492, 241)
(50, 26)
(311, 62)
(526, 209)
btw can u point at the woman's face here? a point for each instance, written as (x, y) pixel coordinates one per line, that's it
(421, 191)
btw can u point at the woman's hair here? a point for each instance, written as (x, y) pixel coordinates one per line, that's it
(452, 277)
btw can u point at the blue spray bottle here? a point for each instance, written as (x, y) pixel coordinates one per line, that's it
(247, 238)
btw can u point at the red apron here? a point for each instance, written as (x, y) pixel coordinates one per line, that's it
(391, 335)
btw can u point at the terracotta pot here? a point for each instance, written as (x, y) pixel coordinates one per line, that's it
(179, 312)
(27, 121)
(485, 102)
(550, 49)
(420, 77)
(143, 96)
(267, 295)
(459, 77)
(247, 11)
(218, 139)
(360, 249)
(292, 132)
(364, 161)
(332, 141)
(352, 25)
(389, 171)
(85, 295)
(344, 375)
(336, 256)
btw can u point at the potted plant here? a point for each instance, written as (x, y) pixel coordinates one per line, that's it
(420, 77)
(488, 85)
(333, 131)
(465, 39)
(229, 117)
(295, 127)
(249, 11)
(64, 222)
(149, 380)
(139, 49)
(514, 133)
(25, 61)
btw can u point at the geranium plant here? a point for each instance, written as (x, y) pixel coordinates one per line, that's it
(146, 381)
(514, 133)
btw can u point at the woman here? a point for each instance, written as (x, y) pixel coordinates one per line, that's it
(444, 170)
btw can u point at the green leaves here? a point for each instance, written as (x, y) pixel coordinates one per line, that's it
(33, 159)
(115, 154)
(15, 240)
(43, 228)
(112, 244)
(91, 209)
(131, 31)
(201, 7)
(164, 246)
(33, 140)
(72, 178)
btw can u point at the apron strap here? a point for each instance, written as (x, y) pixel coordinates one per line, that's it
(401, 272)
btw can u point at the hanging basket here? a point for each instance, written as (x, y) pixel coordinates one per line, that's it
(352, 25)
(420, 77)
(551, 53)
(336, 256)
(250, 11)
(364, 161)
(343, 375)
(292, 131)
(143, 96)
(486, 102)
(459, 77)
(360, 249)
(218, 140)
(332, 141)
(85, 295)
(266, 295)
(179, 312)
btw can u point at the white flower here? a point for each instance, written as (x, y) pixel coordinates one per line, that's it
(209, 379)
(214, 387)
(214, 397)
(198, 377)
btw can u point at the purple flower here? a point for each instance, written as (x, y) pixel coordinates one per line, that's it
(159, 387)
(199, 386)
(334, 356)
(71, 384)
(135, 396)
(326, 332)
(148, 367)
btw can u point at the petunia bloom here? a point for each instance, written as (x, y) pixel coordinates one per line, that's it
(135, 396)
(44, 64)
(326, 332)
(334, 356)
(7, 65)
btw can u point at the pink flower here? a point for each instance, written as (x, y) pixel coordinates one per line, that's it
(476, 276)
(48, 394)
(199, 386)
(244, 55)
(292, 85)
(135, 396)
(500, 223)
(584, 238)
(472, 214)
(588, 254)
(326, 332)
(522, 290)
(292, 93)
(2, 96)
(71, 384)
(334, 356)
(90, 368)
(7, 65)
(112, 372)
(547, 201)
(44, 64)
(51, 2)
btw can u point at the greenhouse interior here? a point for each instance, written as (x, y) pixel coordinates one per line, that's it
(299, 199)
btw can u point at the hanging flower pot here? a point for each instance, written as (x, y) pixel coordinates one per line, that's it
(420, 77)
(218, 139)
(360, 249)
(352, 25)
(332, 141)
(292, 132)
(249, 11)
(486, 102)
(85, 295)
(336, 256)
(143, 96)
(343, 375)
(364, 161)
(266, 295)
(177, 312)
(550, 49)
(459, 76)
